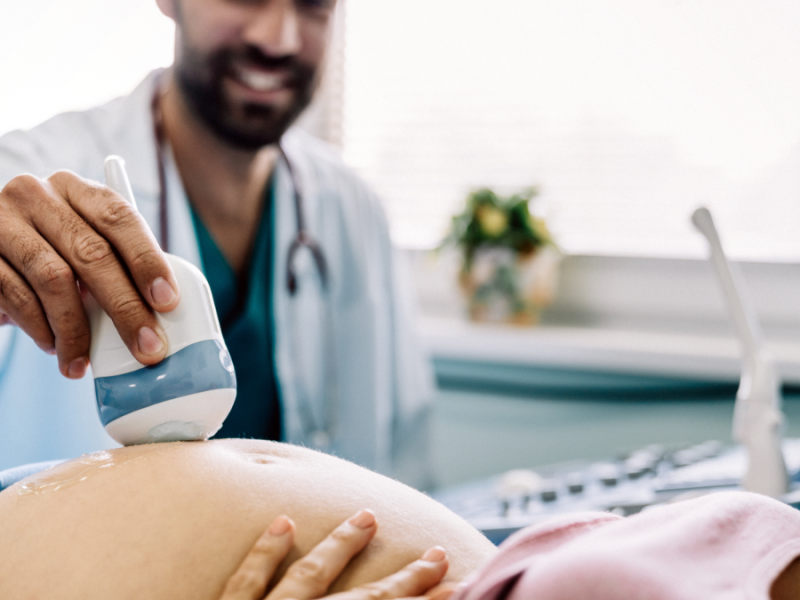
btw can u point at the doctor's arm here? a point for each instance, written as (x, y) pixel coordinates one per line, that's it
(62, 230)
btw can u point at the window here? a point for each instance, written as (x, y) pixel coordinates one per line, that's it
(72, 55)
(627, 114)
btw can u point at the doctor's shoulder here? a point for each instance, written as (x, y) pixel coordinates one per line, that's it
(75, 141)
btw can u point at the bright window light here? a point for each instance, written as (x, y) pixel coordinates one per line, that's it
(61, 55)
(627, 114)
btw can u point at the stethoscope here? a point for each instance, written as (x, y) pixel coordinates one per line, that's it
(319, 434)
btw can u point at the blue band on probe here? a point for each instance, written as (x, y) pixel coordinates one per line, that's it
(200, 367)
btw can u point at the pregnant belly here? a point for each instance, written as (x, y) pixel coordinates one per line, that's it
(174, 520)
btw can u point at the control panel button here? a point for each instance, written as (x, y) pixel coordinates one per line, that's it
(549, 495)
(607, 474)
(574, 483)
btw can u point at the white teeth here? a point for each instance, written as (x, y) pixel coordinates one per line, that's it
(259, 81)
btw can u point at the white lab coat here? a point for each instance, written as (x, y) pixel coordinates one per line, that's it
(380, 380)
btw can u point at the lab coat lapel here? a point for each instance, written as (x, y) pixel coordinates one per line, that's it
(130, 134)
(182, 236)
(355, 352)
(134, 136)
(296, 321)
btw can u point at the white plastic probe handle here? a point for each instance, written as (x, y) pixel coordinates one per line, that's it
(744, 315)
(117, 179)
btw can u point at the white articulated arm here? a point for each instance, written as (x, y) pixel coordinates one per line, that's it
(757, 420)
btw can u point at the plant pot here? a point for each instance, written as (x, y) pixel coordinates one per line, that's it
(503, 286)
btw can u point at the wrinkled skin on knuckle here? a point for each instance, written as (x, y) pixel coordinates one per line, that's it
(74, 340)
(56, 277)
(91, 250)
(72, 336)
(28, 252)
(18, 298)
(127, 308)
(115, 212)
(310, 571)
(146, 256)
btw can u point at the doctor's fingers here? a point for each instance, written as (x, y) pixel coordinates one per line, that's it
(49, 245)
(312, 575)
(122, 225)
(41, 294)
(415, 579)
(251, 578)
(20, 306)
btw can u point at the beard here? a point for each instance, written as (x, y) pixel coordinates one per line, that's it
(242, 125)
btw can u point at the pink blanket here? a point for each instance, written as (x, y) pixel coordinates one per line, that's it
(721, 546)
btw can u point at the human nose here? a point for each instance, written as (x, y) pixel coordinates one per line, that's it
(276, 29)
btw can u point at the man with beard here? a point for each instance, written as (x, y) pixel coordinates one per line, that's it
(295, 248)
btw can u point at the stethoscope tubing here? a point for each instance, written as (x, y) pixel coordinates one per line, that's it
(302, 237)
(320, 436)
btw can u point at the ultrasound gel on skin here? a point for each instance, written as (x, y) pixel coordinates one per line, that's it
(188, 395)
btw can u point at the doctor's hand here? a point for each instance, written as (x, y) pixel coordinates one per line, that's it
(57, 231)
(311, 576)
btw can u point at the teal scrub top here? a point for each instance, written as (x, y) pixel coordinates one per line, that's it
(244, 308)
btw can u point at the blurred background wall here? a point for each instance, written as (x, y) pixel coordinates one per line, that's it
(626, 115)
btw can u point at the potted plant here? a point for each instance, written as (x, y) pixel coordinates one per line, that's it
(509, 260)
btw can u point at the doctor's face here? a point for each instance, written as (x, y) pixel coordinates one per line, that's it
(248, 68)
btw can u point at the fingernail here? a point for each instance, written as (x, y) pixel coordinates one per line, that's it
(161, 292)
(77, 368)
(434, 554)
(280, 526)
(149, 342)
(363, 520)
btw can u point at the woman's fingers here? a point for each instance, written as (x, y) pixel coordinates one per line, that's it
(311, 576)
(414, 580)
(250, 580)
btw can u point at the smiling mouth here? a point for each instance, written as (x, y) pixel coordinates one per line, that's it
(261, 81)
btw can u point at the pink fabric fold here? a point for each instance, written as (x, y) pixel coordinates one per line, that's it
(729, 545)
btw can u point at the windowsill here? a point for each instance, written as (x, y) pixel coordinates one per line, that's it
(601, 349)
(618, 315)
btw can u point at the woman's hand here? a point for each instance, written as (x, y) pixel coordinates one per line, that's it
(311, 576)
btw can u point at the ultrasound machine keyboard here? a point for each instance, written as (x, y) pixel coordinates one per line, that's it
(503, 504)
